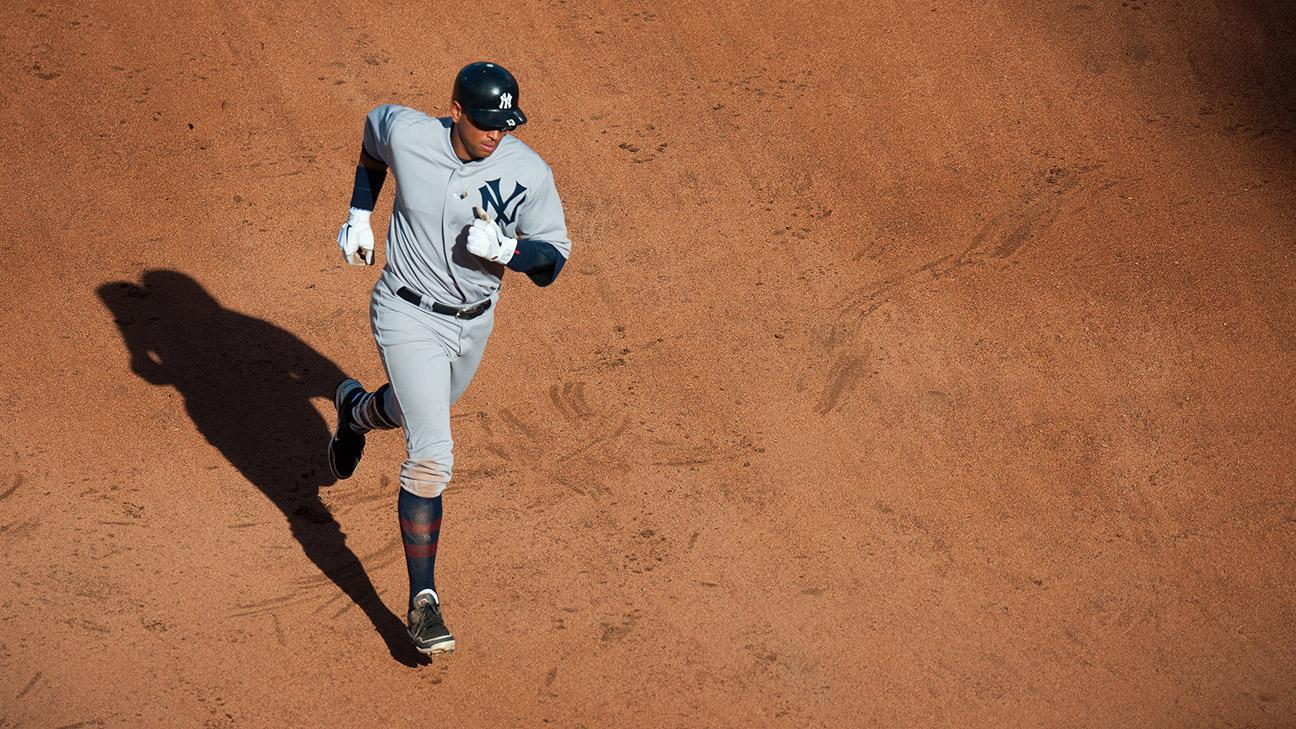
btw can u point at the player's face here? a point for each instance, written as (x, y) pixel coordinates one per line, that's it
(469, 141)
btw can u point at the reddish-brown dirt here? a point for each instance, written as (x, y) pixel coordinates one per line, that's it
(918, 364)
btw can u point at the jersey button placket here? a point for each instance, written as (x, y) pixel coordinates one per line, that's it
(448, 233)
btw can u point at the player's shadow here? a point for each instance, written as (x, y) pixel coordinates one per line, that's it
(247, 385)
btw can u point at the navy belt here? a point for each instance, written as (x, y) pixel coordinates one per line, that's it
(468, 312)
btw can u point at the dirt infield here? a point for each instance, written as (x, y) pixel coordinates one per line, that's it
(917, 365)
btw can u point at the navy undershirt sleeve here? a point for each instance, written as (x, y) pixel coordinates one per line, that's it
(540, 261)
(368, 183)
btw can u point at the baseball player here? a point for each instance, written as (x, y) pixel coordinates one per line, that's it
(471, 201)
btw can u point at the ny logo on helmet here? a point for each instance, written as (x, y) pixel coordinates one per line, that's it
(492, 200)
(506, 100)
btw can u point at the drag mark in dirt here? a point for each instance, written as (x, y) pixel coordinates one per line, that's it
(339, 500)
(87, 722)
(1059, 191)
(846, 370)
(513, 436)
(563, 434)
(377, 559)
(520, 425)
(264, 606)
(309, 588)
(569, 400)
(30, 685)
(17, 481)
(700, 456)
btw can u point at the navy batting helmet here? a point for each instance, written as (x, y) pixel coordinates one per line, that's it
(488, 94)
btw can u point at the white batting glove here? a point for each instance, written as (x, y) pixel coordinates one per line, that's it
(486, 240)
(356, 239)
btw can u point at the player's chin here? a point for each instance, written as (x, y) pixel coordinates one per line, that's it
(485, 150)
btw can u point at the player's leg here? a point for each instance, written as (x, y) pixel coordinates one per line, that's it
(472, 345)
(377, 410)
(418, 371)
(420, 520)
(419, 374)
(358, 412)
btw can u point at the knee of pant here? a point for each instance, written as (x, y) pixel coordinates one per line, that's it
(425, 477)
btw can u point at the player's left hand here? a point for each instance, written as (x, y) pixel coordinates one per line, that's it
(486, 240)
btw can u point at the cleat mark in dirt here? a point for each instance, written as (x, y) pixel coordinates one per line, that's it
(920, 535)
(280, 600)
(497, 451)
(340, 499)
(261, 607)
(17, 481)
(526, 429)
(600, 438)
(30, 685)
(18, 527)
(574, 488)
(580, 435)
(579, 426)
(278, 630)
(569, 400)
(687, 461)
(558, 402)
(613, 631)
(848, 368)
(87, 722)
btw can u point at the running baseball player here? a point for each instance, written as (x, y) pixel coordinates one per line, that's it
(471, 201)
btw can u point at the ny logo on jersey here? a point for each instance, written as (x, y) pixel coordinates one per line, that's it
(506, 100)
(492, 199)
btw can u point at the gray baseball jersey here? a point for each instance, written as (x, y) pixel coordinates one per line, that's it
(435, 196)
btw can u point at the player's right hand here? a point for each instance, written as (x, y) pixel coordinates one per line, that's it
(356, 239)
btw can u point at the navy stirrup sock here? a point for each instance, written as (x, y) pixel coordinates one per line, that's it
(420, 521)
(369, 412)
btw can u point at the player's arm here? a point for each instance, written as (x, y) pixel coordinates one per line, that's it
(542, 246)
(539, 260)
(356, 237)
(369, 177)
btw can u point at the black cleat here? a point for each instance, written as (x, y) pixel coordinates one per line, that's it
(346, 446)
(427, 628)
